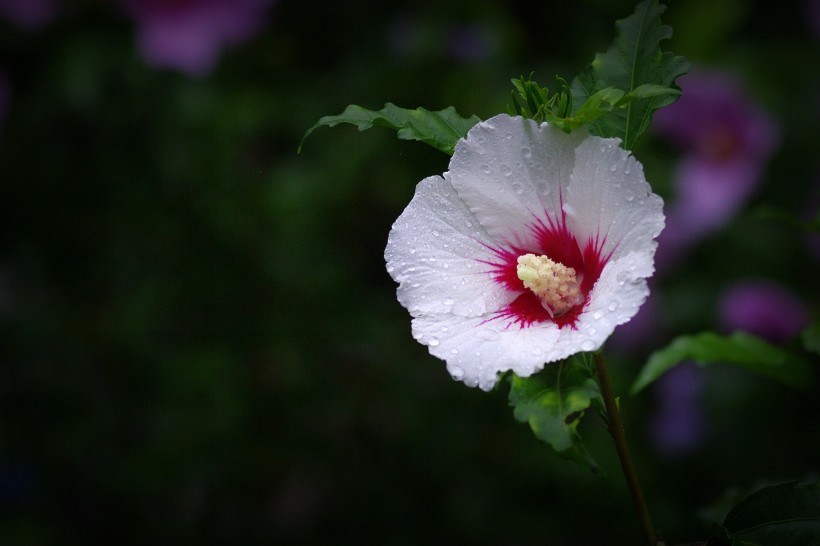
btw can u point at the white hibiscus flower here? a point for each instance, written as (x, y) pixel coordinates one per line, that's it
(534, 246)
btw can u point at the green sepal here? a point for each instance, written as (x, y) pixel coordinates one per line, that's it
(441, 129)
(633, 60)
(741, 349)
(553, 403)
(786, 514)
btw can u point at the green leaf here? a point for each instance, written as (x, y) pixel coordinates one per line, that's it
(441, 129)
(787, 514)
(811, 337)
(633, 60)
(605, 101)
(740, 349)
(553, 403)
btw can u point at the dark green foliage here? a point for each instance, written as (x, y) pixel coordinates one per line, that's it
(787, 514)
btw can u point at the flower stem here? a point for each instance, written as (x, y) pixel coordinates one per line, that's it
(616, 429)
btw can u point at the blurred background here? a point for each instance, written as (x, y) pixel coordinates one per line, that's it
(199, 341)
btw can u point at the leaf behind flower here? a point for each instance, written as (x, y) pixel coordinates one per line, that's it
(441, 129)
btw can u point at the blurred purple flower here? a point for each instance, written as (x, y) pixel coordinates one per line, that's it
(678, 423)
(813, 13)
(189, 35)
(763, 308)
(28, 14)
(727, 141)
(471, 43)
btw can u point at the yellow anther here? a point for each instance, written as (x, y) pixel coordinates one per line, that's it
(553, 282)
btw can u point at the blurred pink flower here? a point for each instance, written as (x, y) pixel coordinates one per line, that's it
(763, 308)
(189, 35)
(726, 140)
(28, 14)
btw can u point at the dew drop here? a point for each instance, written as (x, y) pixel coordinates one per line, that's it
(435, 233)
(448, 301)
(518, 188)
(456, 372)
(613, 168)
(527, 152)
(612, 305)
(412, 251)
(433, 342)
(508, 136)
(505, 169)
(630, 198)
(597, 315)
(454, 351)
(432, 259)
(485, 168)
(390, 268)
(587, 345)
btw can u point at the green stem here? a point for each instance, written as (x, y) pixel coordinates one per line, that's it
(616, 429)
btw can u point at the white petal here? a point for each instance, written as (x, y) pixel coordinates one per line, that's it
(609, 198)
(477, 349)
(510, 172)
(616, 297)
(434, 252)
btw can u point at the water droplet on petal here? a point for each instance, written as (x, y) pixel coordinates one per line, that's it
(485, 168)
(612, 305)
(587, 345)
(597, 315)
(518, 188)
(456, 372)
(454, 351)
(613, 168)
(448, 302)
(433, 342)
(526, 152)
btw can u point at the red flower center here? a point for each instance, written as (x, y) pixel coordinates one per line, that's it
(558, 244)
